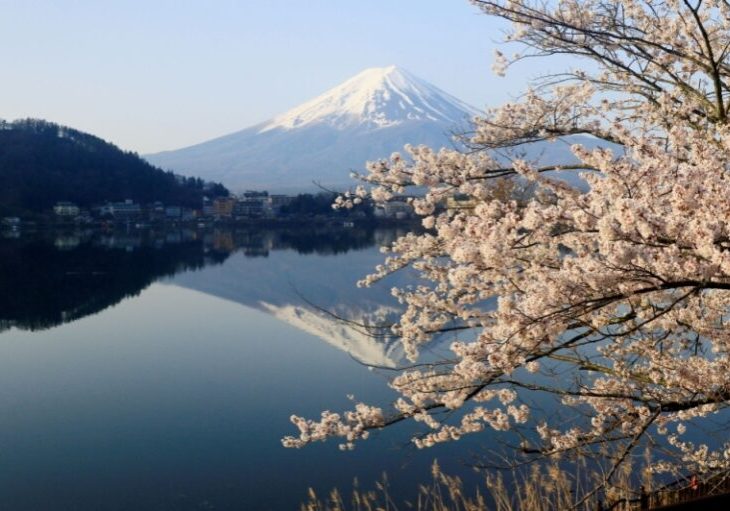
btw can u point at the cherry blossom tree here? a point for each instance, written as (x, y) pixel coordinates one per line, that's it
(614, 299)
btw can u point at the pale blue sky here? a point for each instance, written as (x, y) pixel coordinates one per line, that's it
(151, 75)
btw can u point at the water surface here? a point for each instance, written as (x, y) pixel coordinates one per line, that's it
(159, 370)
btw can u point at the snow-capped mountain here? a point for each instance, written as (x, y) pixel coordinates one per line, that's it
(376, 98)
(367, 117)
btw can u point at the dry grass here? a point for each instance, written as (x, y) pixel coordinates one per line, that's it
(544, 488)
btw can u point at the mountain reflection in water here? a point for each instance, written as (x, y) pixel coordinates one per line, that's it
(195, 347)
(54, 278)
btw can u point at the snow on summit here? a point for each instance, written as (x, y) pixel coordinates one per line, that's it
(367, 117)
(378, 97)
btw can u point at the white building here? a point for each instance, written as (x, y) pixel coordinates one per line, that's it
(396, 208)
(64, 208)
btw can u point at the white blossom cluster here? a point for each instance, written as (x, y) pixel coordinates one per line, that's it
(351, 426)
(628, 283)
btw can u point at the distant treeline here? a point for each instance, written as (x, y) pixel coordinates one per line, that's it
(42, 163)
(321, 204)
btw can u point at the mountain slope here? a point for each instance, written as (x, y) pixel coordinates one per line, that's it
(367, 117)
(42, 163)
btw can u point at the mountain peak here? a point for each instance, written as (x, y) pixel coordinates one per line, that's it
(369, 116)
(377, 76)
(375, 98)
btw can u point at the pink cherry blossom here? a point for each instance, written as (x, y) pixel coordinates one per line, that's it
(625, 286)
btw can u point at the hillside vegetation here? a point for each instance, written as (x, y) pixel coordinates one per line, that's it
(42, 163)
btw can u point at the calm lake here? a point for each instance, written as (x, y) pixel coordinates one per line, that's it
(158, 370)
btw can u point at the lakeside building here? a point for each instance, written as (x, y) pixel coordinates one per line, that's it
(208, 208)
(223, 207)
(66, 209)
(274, 203)
(249, 207)
(254, 194)
(123, 210)
(252, 204)
(397, 208)
(173, 212)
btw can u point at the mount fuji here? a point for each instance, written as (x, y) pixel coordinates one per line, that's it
(367, 117)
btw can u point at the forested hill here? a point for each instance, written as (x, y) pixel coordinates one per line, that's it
(42, 163)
